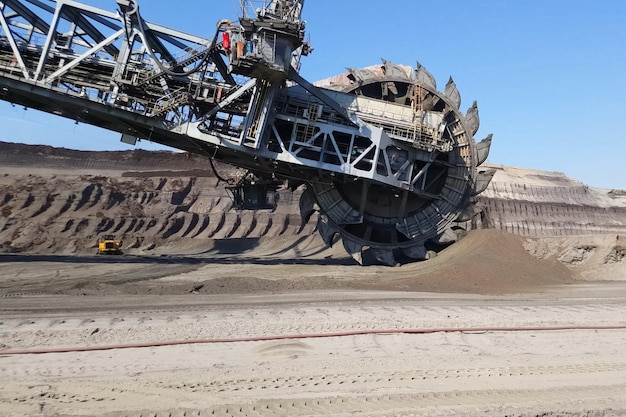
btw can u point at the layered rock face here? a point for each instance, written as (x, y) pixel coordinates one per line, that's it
(59, 200)
(580, 226)
(547, 204)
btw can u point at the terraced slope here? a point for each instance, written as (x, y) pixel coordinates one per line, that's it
(541, 204)
(57, 200)
(60, 201)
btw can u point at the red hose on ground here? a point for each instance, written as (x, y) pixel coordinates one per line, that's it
(307, 336)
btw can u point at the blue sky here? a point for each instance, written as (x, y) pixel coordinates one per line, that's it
(549, 75)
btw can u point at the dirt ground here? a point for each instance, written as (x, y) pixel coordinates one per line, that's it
(304, 332)
(267, 321)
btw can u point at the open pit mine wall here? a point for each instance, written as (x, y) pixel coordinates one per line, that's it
(548, 204)
(59, 200)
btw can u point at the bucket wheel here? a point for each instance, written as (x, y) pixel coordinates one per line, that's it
(382, 224)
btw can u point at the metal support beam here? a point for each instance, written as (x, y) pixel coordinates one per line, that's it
(364, 191)
(79, 20)
(230, 99)
(317, 92)
(64, 69)
(42, 5)
(222, 67)
(14, 48)
(421, 173)
(37, 22)
(46, 48)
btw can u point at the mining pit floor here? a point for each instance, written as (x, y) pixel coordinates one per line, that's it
(280, 325)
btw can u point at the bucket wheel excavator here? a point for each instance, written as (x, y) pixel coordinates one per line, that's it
(388, 161)
(430, 151)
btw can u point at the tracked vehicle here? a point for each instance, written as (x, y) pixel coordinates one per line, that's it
(388, 161)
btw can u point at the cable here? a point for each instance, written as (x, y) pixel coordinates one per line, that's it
(219, 177)
(306, 336)
(208, 52)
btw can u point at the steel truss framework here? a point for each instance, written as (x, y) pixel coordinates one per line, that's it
(389, 161)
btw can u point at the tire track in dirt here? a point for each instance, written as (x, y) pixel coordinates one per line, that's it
(319, 377)
(260, 393)
(488, 402)
(338, 319)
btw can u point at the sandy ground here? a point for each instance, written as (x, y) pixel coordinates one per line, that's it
(215, 313)
(265, 332)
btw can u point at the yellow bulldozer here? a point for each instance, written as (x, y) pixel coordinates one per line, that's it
(109, 245)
